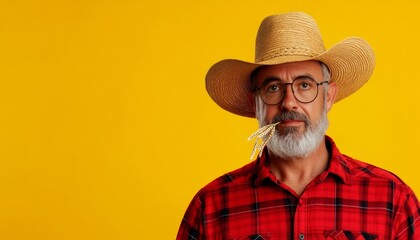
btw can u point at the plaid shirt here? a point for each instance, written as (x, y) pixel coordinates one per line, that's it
(350, 200)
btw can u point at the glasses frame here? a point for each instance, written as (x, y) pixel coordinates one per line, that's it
(293, 91)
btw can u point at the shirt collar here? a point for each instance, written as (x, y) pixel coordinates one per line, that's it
(338, 166)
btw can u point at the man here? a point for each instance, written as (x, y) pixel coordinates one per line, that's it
(300, 186)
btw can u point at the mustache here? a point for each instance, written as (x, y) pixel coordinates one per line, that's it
(290, 116)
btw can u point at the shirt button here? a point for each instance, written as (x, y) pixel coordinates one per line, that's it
(301, 236)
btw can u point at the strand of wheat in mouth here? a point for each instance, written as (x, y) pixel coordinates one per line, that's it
(262, 136)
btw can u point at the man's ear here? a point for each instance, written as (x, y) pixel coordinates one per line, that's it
(251, 99)
(331, 94)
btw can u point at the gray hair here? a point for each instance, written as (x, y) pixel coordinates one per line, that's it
(326, 75)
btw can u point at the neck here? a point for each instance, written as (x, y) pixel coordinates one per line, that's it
(297, 173)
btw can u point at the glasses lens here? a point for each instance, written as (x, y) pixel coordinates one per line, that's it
(272, 92)
(305, 89)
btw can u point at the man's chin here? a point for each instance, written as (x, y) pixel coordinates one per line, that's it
(290, 131)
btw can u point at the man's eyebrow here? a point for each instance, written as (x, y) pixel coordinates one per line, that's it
(307, 75)
(270, 79)
(274, 78)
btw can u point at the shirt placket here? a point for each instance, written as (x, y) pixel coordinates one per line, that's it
(300, 223)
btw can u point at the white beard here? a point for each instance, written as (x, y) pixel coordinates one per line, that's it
(293, 144)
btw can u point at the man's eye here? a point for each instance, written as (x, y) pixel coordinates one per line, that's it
(272, 88)
(305, 85)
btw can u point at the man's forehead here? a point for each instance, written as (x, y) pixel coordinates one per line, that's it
(310, 68)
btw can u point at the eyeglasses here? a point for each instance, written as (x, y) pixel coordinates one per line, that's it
(305, 90)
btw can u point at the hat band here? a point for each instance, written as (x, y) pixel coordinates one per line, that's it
(290, 51)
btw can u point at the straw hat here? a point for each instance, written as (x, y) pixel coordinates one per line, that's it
(290, 37)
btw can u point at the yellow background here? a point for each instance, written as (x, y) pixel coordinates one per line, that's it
(106, 129)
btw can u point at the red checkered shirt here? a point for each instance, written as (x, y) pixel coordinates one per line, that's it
(350, 200)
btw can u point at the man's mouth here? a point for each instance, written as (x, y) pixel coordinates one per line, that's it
(291, 121)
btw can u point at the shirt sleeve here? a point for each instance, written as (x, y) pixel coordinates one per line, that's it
(408, 224)
(192, 224)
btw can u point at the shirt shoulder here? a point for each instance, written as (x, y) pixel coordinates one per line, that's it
(361, 171)
(239, 177)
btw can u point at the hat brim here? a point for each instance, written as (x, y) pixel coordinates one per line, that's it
(351, 63)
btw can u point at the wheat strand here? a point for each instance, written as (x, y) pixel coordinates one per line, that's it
(262, 138)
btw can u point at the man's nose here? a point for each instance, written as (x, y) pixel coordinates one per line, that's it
(289, 101)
